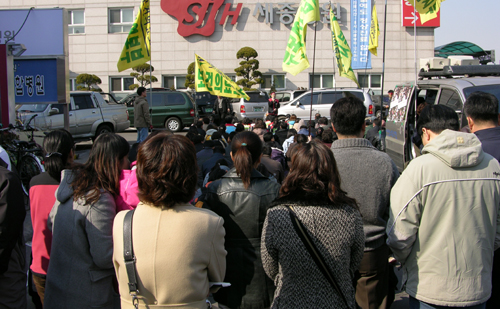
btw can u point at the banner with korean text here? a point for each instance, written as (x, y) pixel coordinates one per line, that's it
(360, 33)
(295, 60)
(342, 50)
(374, 32)
(137, 49)
(209, 78)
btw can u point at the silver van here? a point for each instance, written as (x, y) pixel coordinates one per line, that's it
(449, 87)
(322, 102)
(256, 107)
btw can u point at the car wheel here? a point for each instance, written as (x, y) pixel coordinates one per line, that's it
(103, 128)
(378, 113)
(173, 124)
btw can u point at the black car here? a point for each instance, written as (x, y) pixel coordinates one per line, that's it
(205, 102)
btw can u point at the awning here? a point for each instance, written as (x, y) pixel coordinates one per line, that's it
(462, 48)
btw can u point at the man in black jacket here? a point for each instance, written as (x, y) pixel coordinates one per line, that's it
(223, 107)
(12, 249)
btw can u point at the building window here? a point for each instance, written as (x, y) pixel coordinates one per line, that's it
(76, 22)
(121, 83)
(277, 79)
(121, 20)
(174, 82)
(322, 81)
(372, 81)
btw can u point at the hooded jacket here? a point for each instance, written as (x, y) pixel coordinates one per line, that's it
(81, 272)
(444, 222)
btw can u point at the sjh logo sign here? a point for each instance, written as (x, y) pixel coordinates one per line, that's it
(198, 16)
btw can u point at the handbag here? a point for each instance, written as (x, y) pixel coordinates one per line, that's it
(316, 256)
(128, 254)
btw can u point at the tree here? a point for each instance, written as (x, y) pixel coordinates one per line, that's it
(89, 80)
(273, 88)
(190, 76)
(248, 68)
(141, 76)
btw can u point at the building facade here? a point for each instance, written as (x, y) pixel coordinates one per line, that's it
(98, 30)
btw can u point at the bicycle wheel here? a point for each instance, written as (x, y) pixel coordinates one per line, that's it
(29, 166)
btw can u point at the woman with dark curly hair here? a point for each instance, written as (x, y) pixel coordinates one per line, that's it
(80, 273)
(178, 248)
(312, 193)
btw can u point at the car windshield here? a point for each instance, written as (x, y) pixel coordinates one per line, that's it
(493, 89)
(32, 108)
(204, 97)
(257, 97)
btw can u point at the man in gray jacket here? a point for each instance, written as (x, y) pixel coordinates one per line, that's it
(367, 175)
(142, 121)
(445, 222)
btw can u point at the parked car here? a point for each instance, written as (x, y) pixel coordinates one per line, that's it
(205, 103)
(254, 108)
(284, 96)
(322, 101)
(449, 87)
(89, 115)
(169, 109)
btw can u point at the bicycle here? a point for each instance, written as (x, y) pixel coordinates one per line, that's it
(25, 156)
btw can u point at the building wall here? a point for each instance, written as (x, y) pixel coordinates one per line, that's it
(97, 51)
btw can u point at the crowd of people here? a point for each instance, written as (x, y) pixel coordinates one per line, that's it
(276, 213)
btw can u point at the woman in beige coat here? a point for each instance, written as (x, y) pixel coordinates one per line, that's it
(178, 248)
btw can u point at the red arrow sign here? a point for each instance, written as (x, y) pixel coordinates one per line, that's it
(408, 17)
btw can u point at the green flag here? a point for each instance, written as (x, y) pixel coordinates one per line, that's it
(209, 78)
(427, 8)
(295, 60)
(342, 50)
(137, 49)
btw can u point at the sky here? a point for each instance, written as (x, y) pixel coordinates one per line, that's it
(476, 21)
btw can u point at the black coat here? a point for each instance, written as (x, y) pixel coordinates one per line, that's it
(226, 104)
(244, 212)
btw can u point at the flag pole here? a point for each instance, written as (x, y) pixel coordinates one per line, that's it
(383, 65)
(312, 84)
(333, 60)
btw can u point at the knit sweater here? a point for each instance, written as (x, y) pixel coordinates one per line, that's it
(337, 233)
(367, 175)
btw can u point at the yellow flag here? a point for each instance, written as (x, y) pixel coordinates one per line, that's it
(295, 60)
(209, 78)
(342, 50)
(374, 32)
(137, 49)
(427, 8)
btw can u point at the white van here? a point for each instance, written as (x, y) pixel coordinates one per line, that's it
(322, 102)
(449, 87)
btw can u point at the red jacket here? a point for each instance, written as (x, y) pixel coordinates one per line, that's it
(42, 198)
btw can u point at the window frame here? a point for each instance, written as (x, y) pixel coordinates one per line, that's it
(175, 81)
(272, 76)
(321, 75)
(376, 90)
(72, 25)
(121, 23)
(122, 84)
